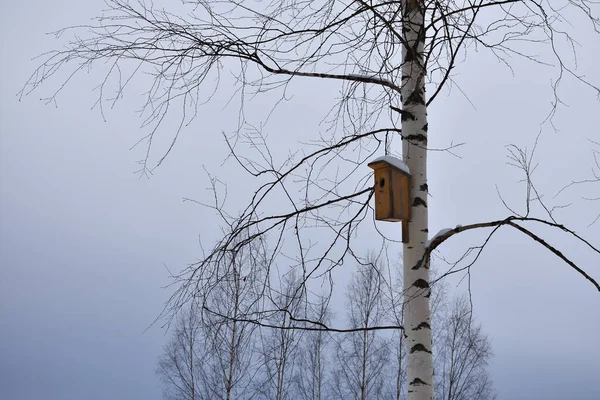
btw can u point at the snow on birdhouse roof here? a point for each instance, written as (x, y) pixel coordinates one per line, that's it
(393, 161)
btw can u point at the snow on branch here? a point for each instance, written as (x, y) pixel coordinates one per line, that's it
(511, 221)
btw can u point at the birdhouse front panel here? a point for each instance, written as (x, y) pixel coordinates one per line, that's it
(384, 195)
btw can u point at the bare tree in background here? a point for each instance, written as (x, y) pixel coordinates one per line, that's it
(180, 368)
(397, 346)
(464, 353)
(314, 358)
(362, 363)
(363, 355)
(225, 307)
(384, 55)
(279, 347)
(212, 348)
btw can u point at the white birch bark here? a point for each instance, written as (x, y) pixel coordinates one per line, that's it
(416, 275)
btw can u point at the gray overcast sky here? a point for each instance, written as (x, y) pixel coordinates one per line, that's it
(83, 240)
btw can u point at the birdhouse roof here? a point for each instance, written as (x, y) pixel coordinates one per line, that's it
(390, 160)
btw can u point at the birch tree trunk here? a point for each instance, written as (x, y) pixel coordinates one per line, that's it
(414, 149)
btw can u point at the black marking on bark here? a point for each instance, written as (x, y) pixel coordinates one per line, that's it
(419, 347)
(419, 137)
(421, 283)
(406, 116)
(419, 202)
(428, 295)
(416, 97)
(405, 77)
(424, 187)
(423, 325)
(418, 265)
(419, 382)
(425, 230)
(425, 127)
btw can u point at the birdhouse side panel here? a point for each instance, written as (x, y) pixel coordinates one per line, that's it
(401, 195)
(407, 198)
(397, 194)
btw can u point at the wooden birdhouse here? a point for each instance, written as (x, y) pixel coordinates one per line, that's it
(392, 191)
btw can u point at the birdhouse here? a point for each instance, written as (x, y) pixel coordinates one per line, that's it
(392, 191)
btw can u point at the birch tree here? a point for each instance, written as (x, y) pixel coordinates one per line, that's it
(314, 358)
(417, 316)
(395, 289)
(383, 55)
(363, 355)
(181, 366)
(230, 338)
(279, 347)
(212, 347)
(464, 353)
